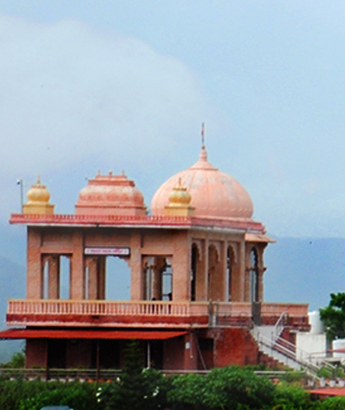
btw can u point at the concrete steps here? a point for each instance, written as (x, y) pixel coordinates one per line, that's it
(264, 336)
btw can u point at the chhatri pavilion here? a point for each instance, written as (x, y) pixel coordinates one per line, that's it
(196, 267)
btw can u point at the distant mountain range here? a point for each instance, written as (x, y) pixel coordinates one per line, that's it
(298, 270)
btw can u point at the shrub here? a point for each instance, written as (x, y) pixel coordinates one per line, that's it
(289, 397)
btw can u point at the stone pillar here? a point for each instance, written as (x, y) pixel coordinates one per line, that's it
(261, 283)
(77, 267)
(92, 264)
(158, 268)
(137, 271)
(218, 274)
(181, 267)
(54, 277)
(223, 271)
(206, 268)
(246, 276)
(34, 289)
(101, 277)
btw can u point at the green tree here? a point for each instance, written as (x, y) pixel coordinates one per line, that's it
(17, 361)
(187, 392)
(333, 316)
(136, 388)
(291, 397)
(229, 388)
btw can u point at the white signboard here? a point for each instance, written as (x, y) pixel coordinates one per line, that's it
(107, 251)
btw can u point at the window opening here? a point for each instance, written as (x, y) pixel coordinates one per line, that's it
(254, 282)
(229, 262)
(193, 273)
(117, 279)
(158, 279)
(65, 277)
(148, 294)
(45, 279)
(167, 281)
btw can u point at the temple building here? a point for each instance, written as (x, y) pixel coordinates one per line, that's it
(196, 275)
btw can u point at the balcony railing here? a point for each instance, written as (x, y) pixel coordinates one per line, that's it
(105, 308)
(142, 313)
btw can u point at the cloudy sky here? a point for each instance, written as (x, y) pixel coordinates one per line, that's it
(125, 85)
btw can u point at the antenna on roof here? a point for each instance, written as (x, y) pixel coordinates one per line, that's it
(203, 135)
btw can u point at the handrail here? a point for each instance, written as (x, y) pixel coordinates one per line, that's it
(279, 326)
(289, 349)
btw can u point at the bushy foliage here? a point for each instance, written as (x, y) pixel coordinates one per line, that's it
(187, 392)
(333, 316)
(333, 403)
(291, 397)
(230, 388)
(33, 395)
(75, 395)
(12, 392)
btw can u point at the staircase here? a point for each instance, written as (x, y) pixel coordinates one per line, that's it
(272, 344)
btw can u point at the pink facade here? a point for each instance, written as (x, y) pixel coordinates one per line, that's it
(196, 265)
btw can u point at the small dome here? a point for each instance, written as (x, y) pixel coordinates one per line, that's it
(214, 194)
(38, 200)
(110, 195)
(38, 193)
(179, 195)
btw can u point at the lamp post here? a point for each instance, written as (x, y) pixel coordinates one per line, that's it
(20, 182)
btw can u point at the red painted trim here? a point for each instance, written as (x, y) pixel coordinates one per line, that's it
(89, 334)
(135, 221)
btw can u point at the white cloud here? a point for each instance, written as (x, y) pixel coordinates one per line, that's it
(69, 92)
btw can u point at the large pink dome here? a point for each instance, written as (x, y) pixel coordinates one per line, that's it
(214, 193)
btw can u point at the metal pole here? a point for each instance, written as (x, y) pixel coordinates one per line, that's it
(20, 183)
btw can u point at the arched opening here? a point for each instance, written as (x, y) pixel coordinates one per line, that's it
(65, 277)
(158, 278)
(254, 277)
(106, 278)
(215, 275)
(230, 260)
(118, 279)
(193, 272)
(45, 274)
(56, 277)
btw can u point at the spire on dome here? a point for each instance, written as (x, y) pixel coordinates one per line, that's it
(203, 135)
(203, 153)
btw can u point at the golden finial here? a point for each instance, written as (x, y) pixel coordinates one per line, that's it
(38, 200)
